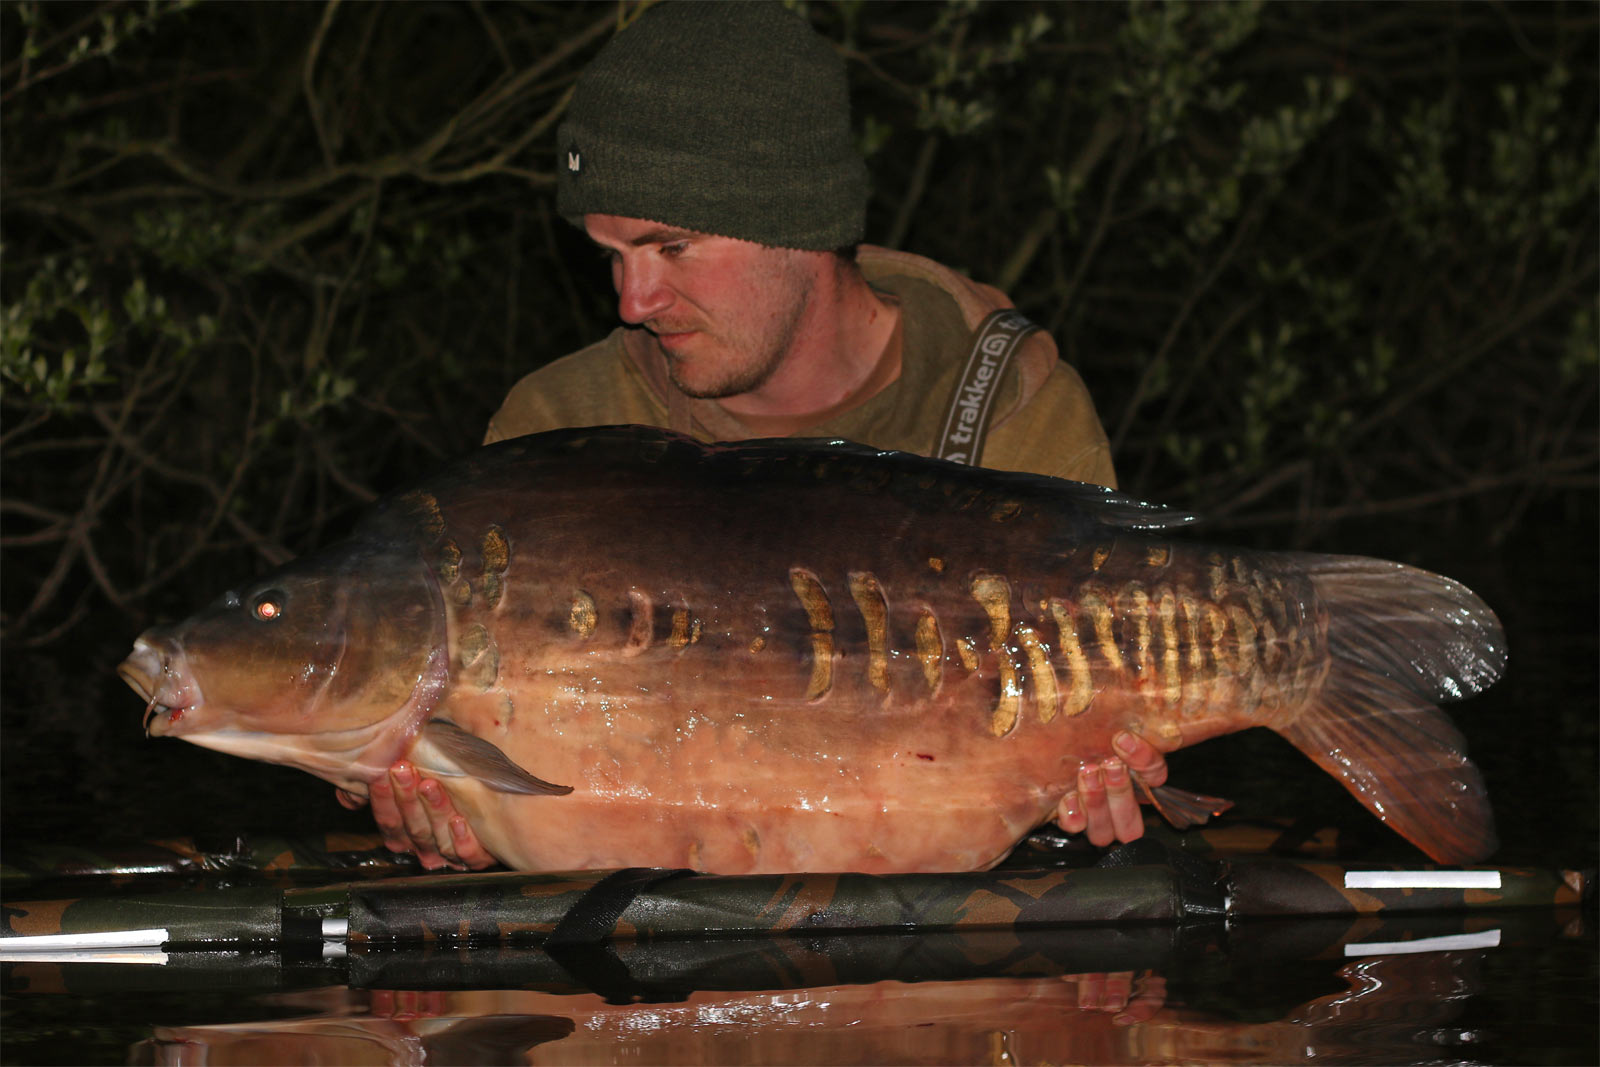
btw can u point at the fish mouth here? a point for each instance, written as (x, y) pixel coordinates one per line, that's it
(150, 673)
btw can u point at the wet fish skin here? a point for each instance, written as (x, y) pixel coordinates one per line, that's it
(797, 656)
(309, 666)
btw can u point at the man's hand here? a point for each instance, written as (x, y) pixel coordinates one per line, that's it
(417, 816)
(1104, 803)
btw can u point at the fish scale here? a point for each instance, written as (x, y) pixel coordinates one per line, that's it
(618, 647)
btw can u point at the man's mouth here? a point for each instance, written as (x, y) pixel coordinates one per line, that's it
(671, 333)
(673, 344)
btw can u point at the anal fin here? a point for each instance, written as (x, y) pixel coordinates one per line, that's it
(1181, 808)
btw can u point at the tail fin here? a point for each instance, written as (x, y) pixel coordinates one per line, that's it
(1400, 639)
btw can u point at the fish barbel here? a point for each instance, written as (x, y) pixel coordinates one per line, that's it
(618, 647)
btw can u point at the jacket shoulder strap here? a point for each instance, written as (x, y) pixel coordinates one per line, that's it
(996, 339)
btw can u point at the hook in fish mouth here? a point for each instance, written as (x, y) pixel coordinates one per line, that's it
(143, 672)
(154, 725)
(151, 710)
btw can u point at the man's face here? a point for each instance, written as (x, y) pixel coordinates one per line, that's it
(725, 312)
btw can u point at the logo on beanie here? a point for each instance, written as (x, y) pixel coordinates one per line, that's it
(574, 160)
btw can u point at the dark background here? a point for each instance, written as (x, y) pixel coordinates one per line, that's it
(1328, 269)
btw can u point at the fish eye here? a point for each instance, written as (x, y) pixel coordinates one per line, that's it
(268, 606)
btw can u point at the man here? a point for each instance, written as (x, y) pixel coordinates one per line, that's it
(708, 154)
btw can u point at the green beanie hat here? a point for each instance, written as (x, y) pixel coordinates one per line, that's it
(725, 118)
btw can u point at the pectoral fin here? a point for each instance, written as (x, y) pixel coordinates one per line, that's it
(449, 751)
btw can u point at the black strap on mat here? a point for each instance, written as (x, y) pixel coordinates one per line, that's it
(593, 918)
(997, 338)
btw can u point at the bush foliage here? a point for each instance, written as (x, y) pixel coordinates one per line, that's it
(263, 261)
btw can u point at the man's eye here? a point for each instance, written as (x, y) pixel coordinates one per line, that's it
(675, 249)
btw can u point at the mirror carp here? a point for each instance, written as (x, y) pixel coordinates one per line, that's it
(619, 647)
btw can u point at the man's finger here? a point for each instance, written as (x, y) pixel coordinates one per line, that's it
(1069, 814)
(1092, 798)
(467, 845)
(387, 815)
(1126, 822)
(413, 815)
(1142, 758)
(439, 809)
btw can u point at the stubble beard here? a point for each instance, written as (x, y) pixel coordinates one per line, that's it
(770, 348)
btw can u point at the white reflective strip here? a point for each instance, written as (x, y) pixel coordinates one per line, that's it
(146, 956)
(1422, 879)
(1485, 939)
(68, 942)
(335, 929)
(334, 950)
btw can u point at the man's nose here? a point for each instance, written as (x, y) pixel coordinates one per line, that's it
(641, 292)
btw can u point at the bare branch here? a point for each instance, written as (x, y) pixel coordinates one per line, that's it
(308, 80)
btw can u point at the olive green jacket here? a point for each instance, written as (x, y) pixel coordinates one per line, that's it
(1043, 420)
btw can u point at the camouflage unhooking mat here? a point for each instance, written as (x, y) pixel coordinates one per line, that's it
(254, 892)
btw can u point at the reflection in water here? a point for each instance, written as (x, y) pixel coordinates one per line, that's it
(356, 1040)
(1396, 1010)
(1257, 992)
(1399, 1009)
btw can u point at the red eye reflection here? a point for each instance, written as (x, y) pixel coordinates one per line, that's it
(268, 609)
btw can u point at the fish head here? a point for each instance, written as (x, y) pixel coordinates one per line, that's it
(330, 663)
